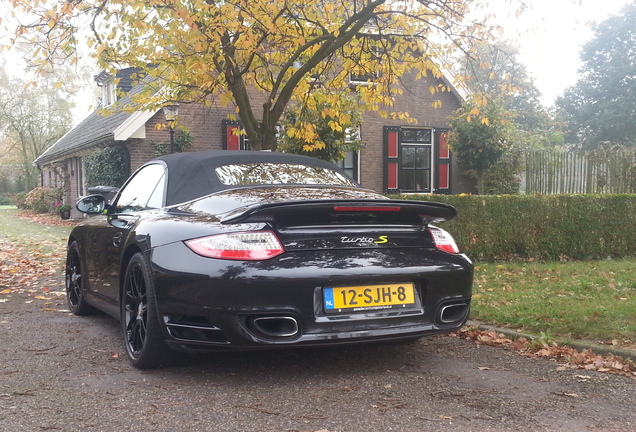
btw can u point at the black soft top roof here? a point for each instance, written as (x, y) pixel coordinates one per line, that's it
(192, 174)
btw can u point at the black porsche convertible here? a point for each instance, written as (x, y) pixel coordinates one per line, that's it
(236, 250)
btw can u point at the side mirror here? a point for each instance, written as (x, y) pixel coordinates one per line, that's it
(91, 204)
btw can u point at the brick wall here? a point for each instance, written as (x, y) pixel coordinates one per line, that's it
(418, 102)
(205, 125)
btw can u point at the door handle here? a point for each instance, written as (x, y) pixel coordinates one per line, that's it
(117, 239)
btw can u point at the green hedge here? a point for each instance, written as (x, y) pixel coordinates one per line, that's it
(547, 227)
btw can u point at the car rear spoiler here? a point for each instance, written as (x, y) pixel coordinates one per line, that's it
(325, 212)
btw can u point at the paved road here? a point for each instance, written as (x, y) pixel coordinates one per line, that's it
(64, 373)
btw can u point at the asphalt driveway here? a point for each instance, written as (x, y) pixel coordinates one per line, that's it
(61, 372)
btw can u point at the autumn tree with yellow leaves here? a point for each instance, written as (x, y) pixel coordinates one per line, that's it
(259, 55)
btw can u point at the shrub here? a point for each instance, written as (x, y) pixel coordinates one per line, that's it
(19, 200)
(41, 199)
(504, 176)
(545, 227)
(60, 208)
(7, 199)
(182, 142)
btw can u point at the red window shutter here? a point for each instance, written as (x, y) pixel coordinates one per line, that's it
(393, 144)
(443, 158)
(392, 175)
(443, 176)
(391, 158)
(444, 151)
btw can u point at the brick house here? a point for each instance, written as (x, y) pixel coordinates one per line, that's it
(396, 156)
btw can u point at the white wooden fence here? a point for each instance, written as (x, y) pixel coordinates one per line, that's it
(548, 172)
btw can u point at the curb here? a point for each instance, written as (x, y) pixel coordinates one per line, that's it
(579, 345)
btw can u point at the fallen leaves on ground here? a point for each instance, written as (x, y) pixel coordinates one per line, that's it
(45, 219)
(34, 272)
(19, 271)
(587, 359)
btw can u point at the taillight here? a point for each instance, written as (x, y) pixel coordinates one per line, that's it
(443, 240)
(257, 245)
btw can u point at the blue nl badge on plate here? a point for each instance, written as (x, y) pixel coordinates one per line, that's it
(328, 298)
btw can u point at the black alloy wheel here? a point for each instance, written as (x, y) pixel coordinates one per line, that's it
(75, 280)
(140, 323)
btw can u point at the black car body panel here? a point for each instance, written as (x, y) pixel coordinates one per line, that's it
(346, 255)
(231, 295)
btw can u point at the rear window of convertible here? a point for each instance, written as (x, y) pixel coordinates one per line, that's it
(277, 173)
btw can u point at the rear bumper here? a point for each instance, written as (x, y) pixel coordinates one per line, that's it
(306, 341)
(208, 304)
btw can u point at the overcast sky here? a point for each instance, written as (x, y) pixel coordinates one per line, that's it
(550, 36)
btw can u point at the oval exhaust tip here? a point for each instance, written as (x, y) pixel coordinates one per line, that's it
(453, 313)
(276, 326)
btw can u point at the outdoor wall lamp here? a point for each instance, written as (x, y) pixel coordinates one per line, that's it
(171, 112)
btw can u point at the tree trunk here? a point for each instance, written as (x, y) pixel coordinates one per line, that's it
(480, 182)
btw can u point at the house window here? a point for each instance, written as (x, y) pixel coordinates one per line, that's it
(362, 79)
(108, 93)
(419, 136)
(365, 75)
(351, 162)
(415, 175)
(350, 165)
(81, 168)
(416, 148)
(416, 160)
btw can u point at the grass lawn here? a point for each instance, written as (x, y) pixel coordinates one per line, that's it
(36, 238)
(593, 300)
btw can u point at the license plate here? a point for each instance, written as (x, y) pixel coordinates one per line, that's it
(358, 298)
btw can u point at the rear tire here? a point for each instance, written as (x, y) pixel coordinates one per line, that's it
(75, 283)
(142, 334)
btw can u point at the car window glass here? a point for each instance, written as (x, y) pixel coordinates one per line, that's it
(156, 198)
(138, 191)
(279, 173)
